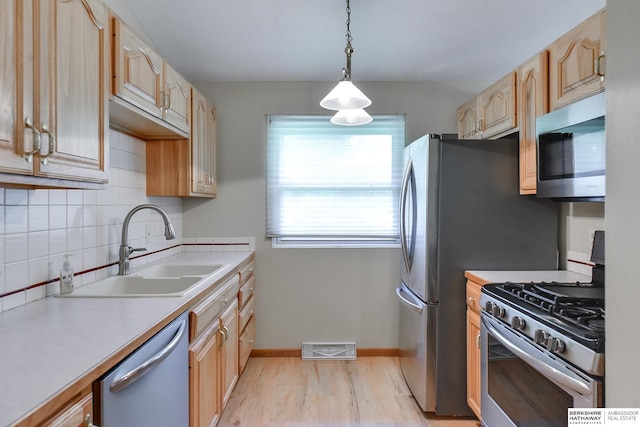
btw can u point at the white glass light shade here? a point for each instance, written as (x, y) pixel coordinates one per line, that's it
(345, 96)
(351, 117)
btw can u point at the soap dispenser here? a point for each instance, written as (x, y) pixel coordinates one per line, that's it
(66, 277)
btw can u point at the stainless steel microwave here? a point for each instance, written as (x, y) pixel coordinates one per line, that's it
(571, 151)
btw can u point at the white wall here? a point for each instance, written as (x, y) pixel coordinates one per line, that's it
(622, 236)
(310, 294)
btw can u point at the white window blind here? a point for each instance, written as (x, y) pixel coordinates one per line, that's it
(336, 185)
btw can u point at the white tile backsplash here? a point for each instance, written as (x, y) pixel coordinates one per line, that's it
(39, 227)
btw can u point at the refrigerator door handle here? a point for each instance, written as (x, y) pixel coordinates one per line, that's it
(409, 300)
(408, 184)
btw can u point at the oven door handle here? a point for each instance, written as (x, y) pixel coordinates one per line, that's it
(567, 378)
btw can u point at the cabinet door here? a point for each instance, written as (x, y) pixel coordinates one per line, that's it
(533, 101)
(198, 143)
(574, 62)
(229, 372)
(177, 99)
(78, 414)
(73, 70)
(497, 107)
(210, 152)
(15, 36)
(137, 71)
(204, 367)
(473, 361)
(468, 120)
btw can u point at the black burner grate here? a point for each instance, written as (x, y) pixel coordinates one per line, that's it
(580, 305)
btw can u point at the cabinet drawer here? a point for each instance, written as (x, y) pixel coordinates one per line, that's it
(209, 310)
(473, 296)
(246, 313)
(245, 343)
(246, 291)
(246, 272)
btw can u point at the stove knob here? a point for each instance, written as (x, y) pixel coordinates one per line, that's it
(541, 337)
(555, 345)
(488, 307)
(518, 323)
(498, 311)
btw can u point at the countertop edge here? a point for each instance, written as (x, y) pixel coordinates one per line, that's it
(484, 277)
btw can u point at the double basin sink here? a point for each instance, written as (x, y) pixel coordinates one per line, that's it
(162, 280)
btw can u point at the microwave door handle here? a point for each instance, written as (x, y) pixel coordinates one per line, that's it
(565, 378)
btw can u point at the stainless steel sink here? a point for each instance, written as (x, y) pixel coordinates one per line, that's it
(135, 286)
(177, 270)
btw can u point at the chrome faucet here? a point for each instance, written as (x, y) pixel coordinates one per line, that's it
(126, 250)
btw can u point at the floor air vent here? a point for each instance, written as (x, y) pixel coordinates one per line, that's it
(329, 350)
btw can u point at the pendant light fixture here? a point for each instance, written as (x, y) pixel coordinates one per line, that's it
(346, 97)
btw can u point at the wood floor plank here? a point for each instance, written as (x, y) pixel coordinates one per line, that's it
(291, 392)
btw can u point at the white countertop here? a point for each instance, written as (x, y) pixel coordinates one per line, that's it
(49, 344)
(484, 276)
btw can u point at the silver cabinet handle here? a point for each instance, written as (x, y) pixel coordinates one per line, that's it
(137, 373)
(224, 336)
(87, 421)
(52, 144)
(28, 156)
(599, 65)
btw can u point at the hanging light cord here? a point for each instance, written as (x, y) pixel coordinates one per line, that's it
(346, 72)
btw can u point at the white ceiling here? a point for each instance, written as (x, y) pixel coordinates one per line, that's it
(393, 40)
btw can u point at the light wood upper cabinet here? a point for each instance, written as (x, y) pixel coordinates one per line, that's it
(145, 81)
(468, 126)
(497, 107)
(137, 76)
(55, 83)
(186, 167)
(176, 109)
(533, 101)
(491, 113)
(576, 62)
(203, 145)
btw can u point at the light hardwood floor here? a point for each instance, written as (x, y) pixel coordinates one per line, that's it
(291, 392)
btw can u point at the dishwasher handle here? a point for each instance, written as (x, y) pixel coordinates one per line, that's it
(137, 373)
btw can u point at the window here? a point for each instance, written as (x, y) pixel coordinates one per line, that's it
(333, 186)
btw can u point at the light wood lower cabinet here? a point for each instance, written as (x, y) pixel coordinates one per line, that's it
(78, 413)
(213, 353)
(204, 366)
(247, 320)
(473, 347)
(229, 349)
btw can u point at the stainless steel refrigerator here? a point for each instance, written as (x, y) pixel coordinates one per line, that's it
(460, 210)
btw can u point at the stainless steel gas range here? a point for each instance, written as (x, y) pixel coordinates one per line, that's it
(542, 349)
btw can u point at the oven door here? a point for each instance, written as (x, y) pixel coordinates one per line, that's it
(524, 385)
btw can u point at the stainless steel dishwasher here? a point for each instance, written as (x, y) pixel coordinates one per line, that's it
(151, 386)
